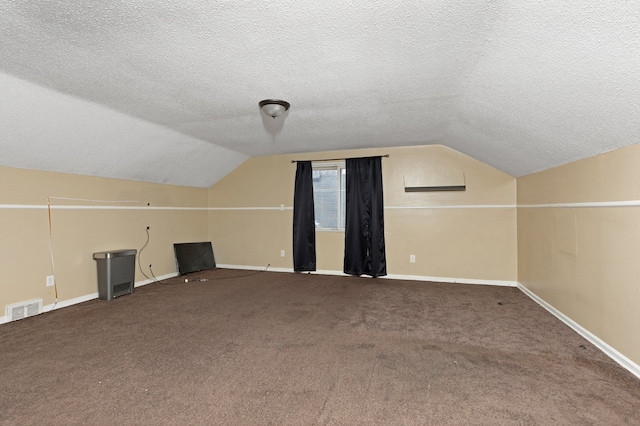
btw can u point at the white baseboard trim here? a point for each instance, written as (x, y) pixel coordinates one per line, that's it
(592, 338)
(86, 298)
(160, 278)
(254, 268)
(452, 280)
(69, 302)
(390, 276)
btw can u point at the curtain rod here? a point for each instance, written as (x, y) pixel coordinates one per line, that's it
(340, 159)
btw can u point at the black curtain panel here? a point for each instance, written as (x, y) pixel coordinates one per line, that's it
(304, 226)
(364, 249)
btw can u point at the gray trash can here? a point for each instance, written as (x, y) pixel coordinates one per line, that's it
(116, 273)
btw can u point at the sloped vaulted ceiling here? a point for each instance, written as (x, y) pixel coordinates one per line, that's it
(168, 91)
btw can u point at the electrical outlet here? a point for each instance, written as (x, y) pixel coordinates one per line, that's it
(281, 253)
(412, 258)
(50, 281)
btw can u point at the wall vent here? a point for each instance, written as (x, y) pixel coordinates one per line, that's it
(20, 310)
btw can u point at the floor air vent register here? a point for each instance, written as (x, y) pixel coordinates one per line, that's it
(20, 310)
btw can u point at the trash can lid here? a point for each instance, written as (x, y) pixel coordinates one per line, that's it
(114, 253)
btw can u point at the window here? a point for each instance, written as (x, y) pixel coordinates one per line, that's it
(329, 192)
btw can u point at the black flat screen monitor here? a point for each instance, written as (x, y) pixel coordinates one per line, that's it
(194, 257)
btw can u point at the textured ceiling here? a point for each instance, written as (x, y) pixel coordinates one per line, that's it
(167, 91)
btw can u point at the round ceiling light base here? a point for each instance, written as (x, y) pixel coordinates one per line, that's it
(274, 107)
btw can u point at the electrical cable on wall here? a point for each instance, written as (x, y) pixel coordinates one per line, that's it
(140, 256)
(53, 263)
(153, 275)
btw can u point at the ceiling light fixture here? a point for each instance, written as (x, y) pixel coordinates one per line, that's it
(274, 107)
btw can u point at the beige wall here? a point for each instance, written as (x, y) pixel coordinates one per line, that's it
(585, 261)
(80, 228)
(472, 237)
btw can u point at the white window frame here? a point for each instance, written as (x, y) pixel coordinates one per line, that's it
(338, 166)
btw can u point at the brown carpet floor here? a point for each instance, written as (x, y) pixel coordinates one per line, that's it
(282, 348)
